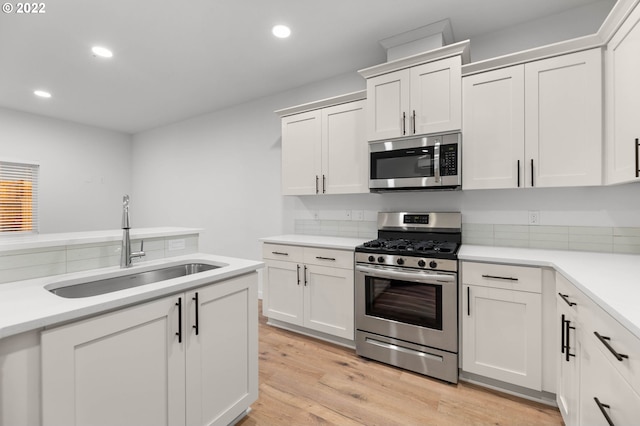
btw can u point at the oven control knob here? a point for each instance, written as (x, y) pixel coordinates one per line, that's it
(433, 264)
(380, 259)
(400, 261)
(421, 263)
(372, 259)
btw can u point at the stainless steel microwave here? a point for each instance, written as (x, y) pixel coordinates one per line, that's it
(417, 163)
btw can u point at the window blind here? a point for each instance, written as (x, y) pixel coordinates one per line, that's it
(18, 197)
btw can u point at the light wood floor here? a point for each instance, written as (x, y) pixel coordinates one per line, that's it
(304, 381)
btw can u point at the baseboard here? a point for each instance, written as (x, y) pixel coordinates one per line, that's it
(542, 397)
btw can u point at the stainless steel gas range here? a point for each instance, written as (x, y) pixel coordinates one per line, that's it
(407, 293)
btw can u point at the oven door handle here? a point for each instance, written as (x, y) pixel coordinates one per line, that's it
(413, 276)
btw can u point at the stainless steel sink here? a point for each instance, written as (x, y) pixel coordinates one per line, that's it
(108, 285)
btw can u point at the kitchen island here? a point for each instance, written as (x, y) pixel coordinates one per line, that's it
(179, 351)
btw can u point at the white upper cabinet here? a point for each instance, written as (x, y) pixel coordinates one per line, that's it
(301, 153)
(493, 140)
(534, 125)
(563, 120)
(419, 100)
(324, 151)
(623, 102)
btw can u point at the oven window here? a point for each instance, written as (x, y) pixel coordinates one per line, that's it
(403, 301)
(402, 164)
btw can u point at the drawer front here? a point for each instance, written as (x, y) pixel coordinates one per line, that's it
(599, 380)
(283, 252)
(519, 278)
(329, 257)
(620, 341)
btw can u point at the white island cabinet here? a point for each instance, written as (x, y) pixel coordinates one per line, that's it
(189, 358)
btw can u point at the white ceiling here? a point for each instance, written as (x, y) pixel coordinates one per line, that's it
(176, 59)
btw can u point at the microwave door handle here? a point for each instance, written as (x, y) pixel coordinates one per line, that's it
(436, 161)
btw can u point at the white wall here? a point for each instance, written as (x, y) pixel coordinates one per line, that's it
(84, 171)
(221, 171)
(573, 23)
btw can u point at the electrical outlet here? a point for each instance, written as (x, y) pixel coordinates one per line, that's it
(357, 215)
(316, 215)
(534, 218)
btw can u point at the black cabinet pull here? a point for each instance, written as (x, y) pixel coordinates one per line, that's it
(305, 275)
(280, 253)
(468, 301)
(532, 185)
(562, 337)
(496, 277)
(179, 333)
(195, 298)
(324, 184)
(317, 184)
(518, 173)
(404, 127)
(326, 258)
(298, 273)
(602, 407)
(414, 121)
(605, 341)
(637, 159)
(565, 297)
(568, 344)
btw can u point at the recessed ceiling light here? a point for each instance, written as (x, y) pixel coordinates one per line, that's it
(102, 52)
(281, 31)
(42, 93)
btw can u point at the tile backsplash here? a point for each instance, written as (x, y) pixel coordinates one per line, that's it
(26, 264)
(580, 238)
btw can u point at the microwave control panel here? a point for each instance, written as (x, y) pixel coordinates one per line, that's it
(448, 160)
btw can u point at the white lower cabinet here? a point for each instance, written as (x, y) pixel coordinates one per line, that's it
(187, 359)
(310, 287)
(599, 378)
(502, 324)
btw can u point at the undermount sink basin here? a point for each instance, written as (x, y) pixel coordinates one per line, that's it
(108, 285)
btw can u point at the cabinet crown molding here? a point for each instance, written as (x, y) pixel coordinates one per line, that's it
(323, 103)
(461, 48)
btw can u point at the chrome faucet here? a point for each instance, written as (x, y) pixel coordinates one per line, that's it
(125, 252)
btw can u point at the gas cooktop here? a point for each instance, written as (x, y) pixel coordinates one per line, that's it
(409, 247)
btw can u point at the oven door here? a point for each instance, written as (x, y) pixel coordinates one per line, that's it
(429, 162)
(415, 306)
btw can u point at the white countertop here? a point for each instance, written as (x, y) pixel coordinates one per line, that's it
(27, 305)
(611, 280)
(30, 241)
(339, 243)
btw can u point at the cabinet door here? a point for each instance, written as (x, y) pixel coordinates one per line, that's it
(623, 101)
(222, 353)
(301, 153)
(125, 367)
(388, 105)
(502, 335)
(282, 293)
(328, 301)
(568, 366)
(493, 120)
(436, 96)
(600, 380)
(344, 149)
(563, 120)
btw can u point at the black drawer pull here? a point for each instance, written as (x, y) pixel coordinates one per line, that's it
(500, 278)
(602, 407)
(565, 297)
(604, 340)
(279, 253)
(326, 258)
(179, 332)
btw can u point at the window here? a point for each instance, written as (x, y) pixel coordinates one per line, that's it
(18, 197)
